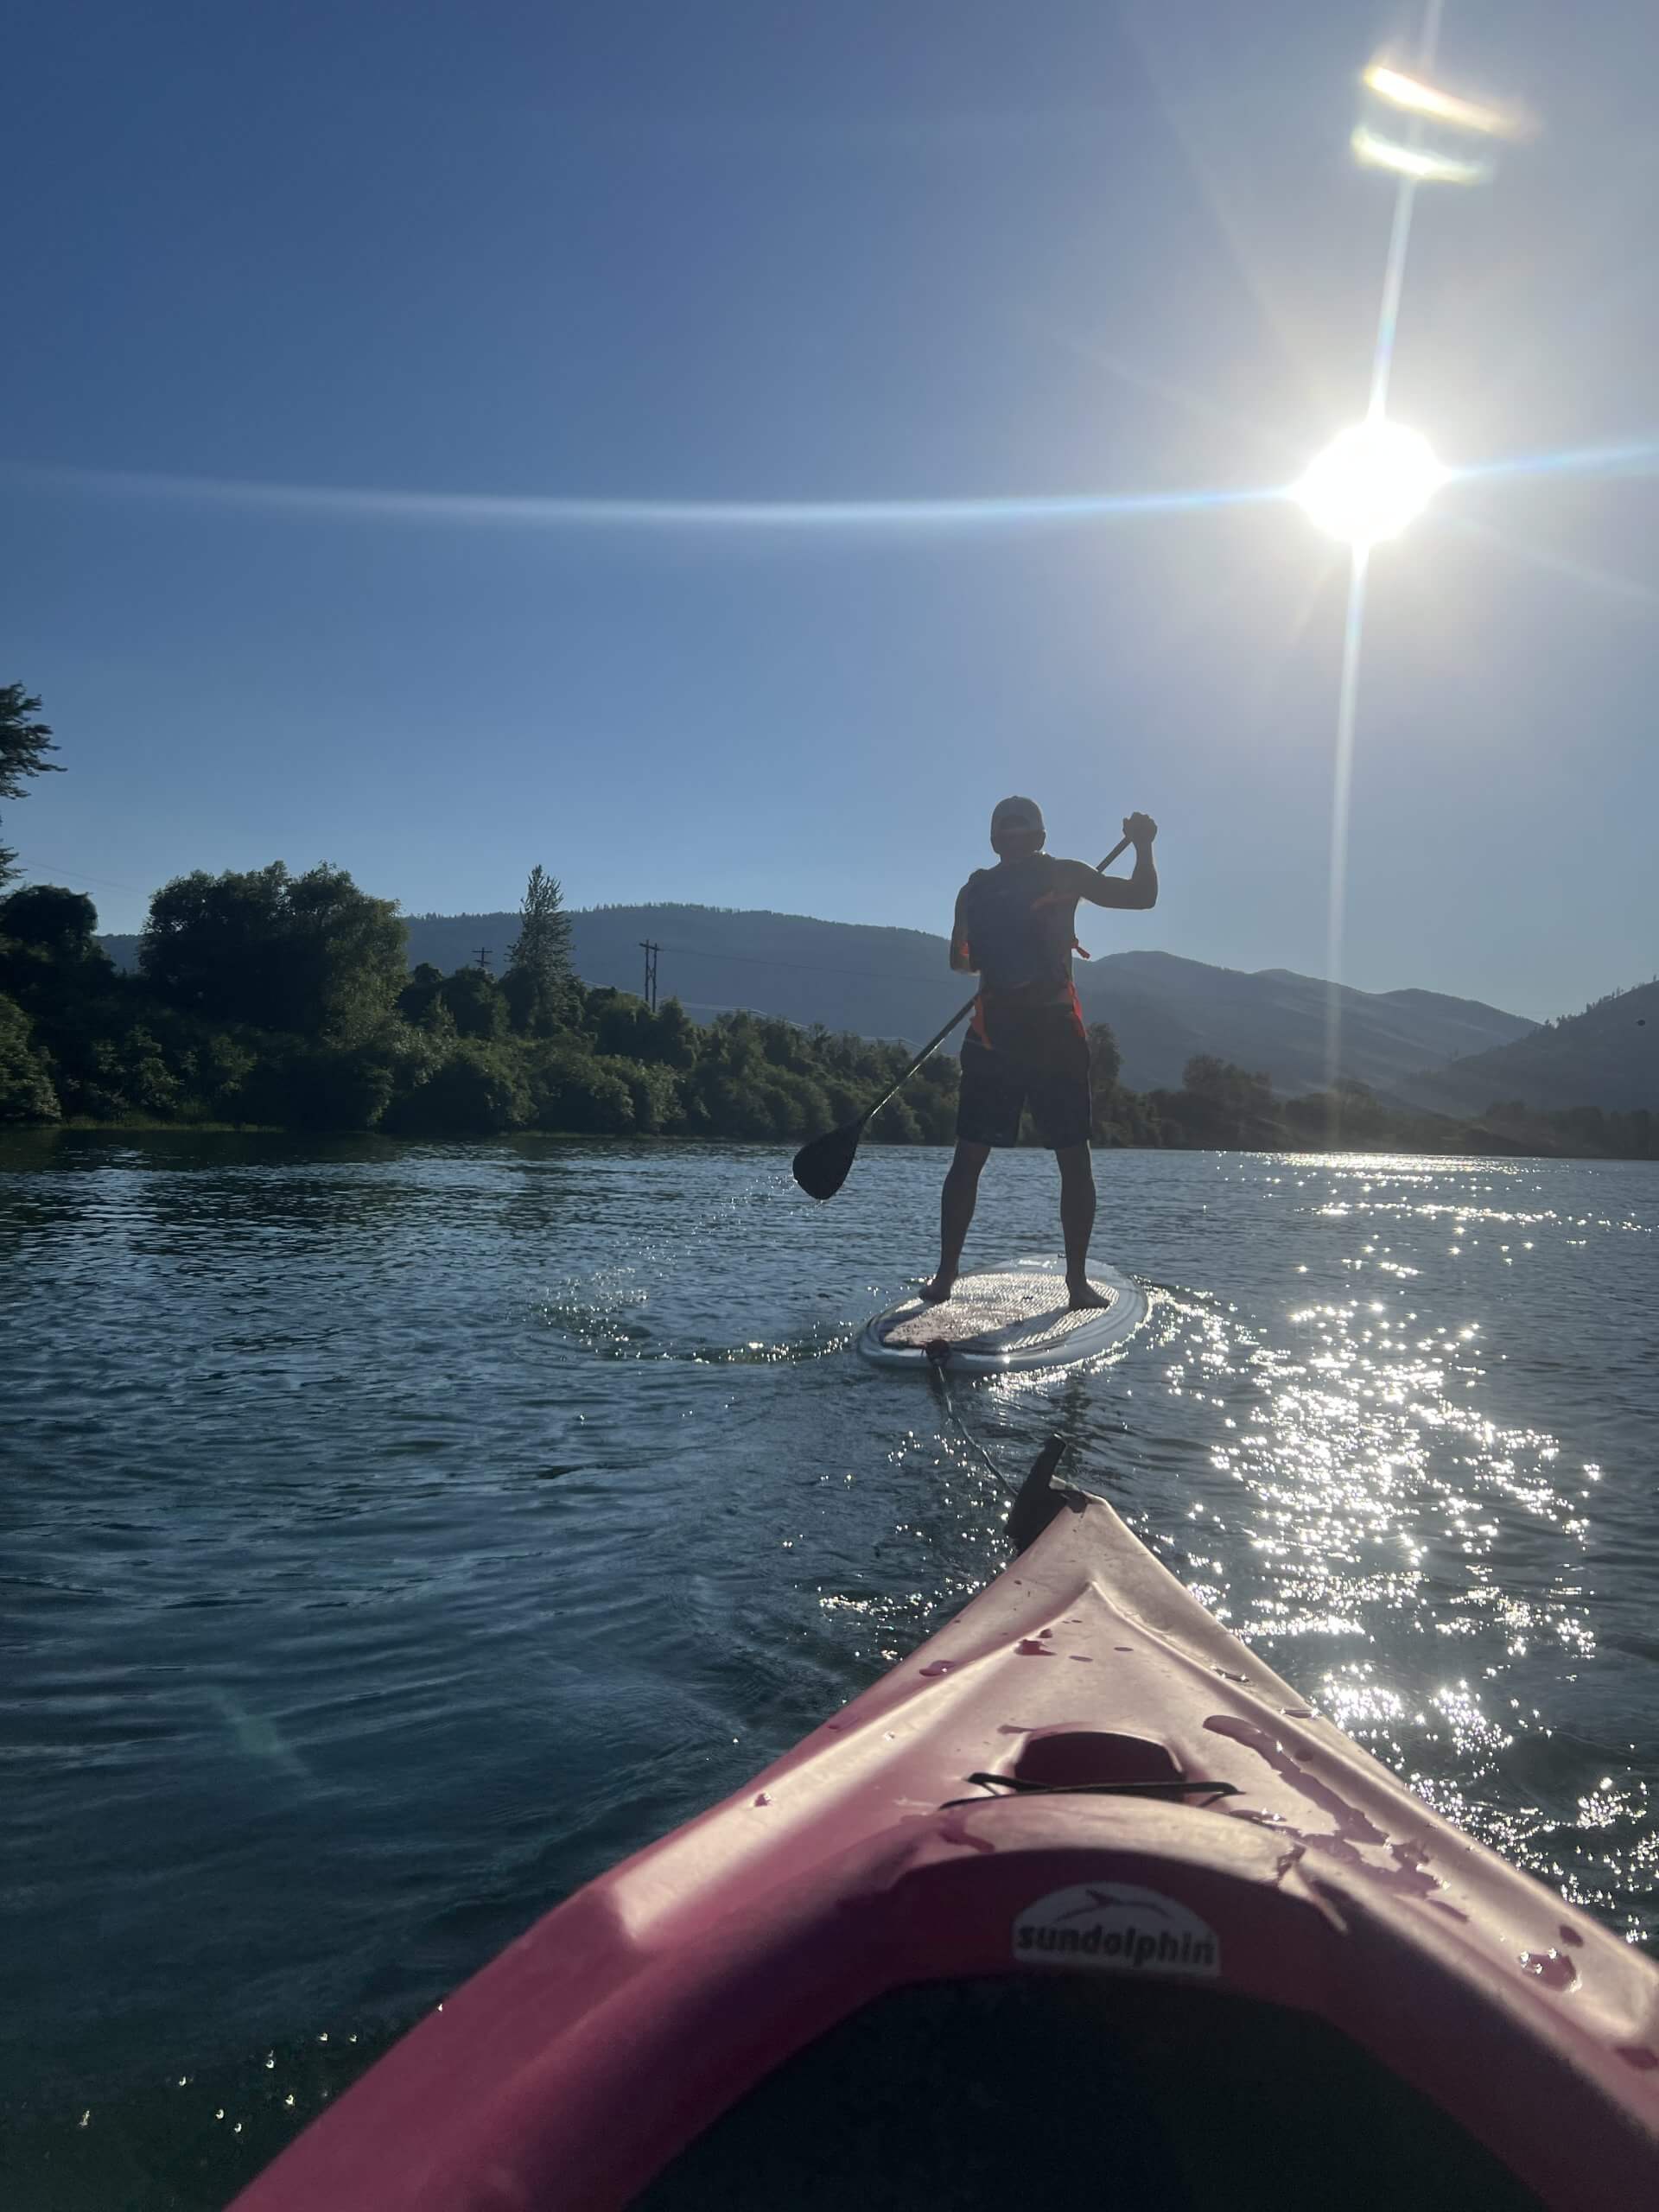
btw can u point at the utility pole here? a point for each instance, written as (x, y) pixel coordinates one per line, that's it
(650, 952)
(482, 954)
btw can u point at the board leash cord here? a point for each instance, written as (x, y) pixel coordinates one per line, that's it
(938, 1362)
(1037, 1500)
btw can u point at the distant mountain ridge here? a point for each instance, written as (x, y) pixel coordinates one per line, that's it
(898, 984)
(1276, 1021)
(1607, 1056)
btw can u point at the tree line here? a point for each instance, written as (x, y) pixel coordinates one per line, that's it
(272, 999)
(268, 999)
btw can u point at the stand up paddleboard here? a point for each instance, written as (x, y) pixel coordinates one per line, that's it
(1006, 1320)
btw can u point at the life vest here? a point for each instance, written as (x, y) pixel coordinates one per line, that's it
(1020, 926)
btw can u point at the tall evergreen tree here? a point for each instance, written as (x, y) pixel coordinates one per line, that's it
(24, 743)
(540, 984)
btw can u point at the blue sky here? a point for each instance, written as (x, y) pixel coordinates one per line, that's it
(860, 251)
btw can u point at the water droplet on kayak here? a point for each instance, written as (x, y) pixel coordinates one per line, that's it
(1082, 1658)
(1297, 1712)
(1637, 2055)
(1570, 1935)
(1551, 1968)
(1122, 1647)
(1228, 1676)
(939, 1666)
(1028, 1648)
(763, 1798)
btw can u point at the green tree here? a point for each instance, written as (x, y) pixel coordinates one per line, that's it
(25, 741)
(1219, 1104)
(939, 1081)
(571, 1090)
(58, 921)
(26, 1089)
(49, 963)
(320, 1083)
(542, 991)
(421, 1000)
(148, 1085)
(654, 1090)
(620, 1023)
(310, 955)
(478, 1090)
(1105, 1060)
(475, 1003)
(674, 1041)
(216, 1071)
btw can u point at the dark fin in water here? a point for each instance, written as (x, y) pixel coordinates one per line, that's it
(1038, 1501)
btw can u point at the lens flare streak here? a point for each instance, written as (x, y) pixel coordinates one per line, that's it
(1414, 96)
(351, 503)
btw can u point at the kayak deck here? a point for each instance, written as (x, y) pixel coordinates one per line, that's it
(1308, 1991)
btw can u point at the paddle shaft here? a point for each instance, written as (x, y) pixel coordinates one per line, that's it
(962, 1013)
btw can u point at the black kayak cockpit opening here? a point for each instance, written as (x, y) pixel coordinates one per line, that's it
(1073, 2091)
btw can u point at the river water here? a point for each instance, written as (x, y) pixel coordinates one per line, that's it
(392, 1536)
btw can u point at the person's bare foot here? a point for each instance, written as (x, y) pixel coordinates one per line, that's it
(1083, 1294)
(940, 1288)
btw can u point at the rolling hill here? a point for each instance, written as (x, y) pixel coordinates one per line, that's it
(1607, 1056)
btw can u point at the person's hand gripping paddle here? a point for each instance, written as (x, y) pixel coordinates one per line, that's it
(822, 1164)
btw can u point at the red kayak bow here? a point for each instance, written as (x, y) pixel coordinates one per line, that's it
(1081, 1897)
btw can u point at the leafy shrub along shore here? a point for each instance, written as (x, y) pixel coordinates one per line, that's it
(281, 1000)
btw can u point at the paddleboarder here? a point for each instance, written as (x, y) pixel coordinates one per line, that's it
(1015, 928)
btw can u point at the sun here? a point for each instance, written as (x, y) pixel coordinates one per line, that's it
(1370, 482)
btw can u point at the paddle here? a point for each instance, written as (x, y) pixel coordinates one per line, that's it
(822, 1164)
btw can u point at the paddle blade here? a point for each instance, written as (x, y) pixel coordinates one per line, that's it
(821, 1167)
(1039, 1502)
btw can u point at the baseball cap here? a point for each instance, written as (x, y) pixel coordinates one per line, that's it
(1020, 817)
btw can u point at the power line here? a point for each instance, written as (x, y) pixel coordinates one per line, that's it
(109, 883)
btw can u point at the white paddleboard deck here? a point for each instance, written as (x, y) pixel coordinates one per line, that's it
(1006, 1320)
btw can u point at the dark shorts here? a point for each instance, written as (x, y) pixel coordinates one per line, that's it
(1038, 1059)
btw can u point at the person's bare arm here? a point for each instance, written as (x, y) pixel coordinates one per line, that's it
(1137, 891)
(962, 953)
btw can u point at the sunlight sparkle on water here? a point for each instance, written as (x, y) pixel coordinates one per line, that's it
(1369, 482)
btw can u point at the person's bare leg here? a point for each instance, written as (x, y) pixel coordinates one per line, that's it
(1077, 1223)
(956, 1210)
